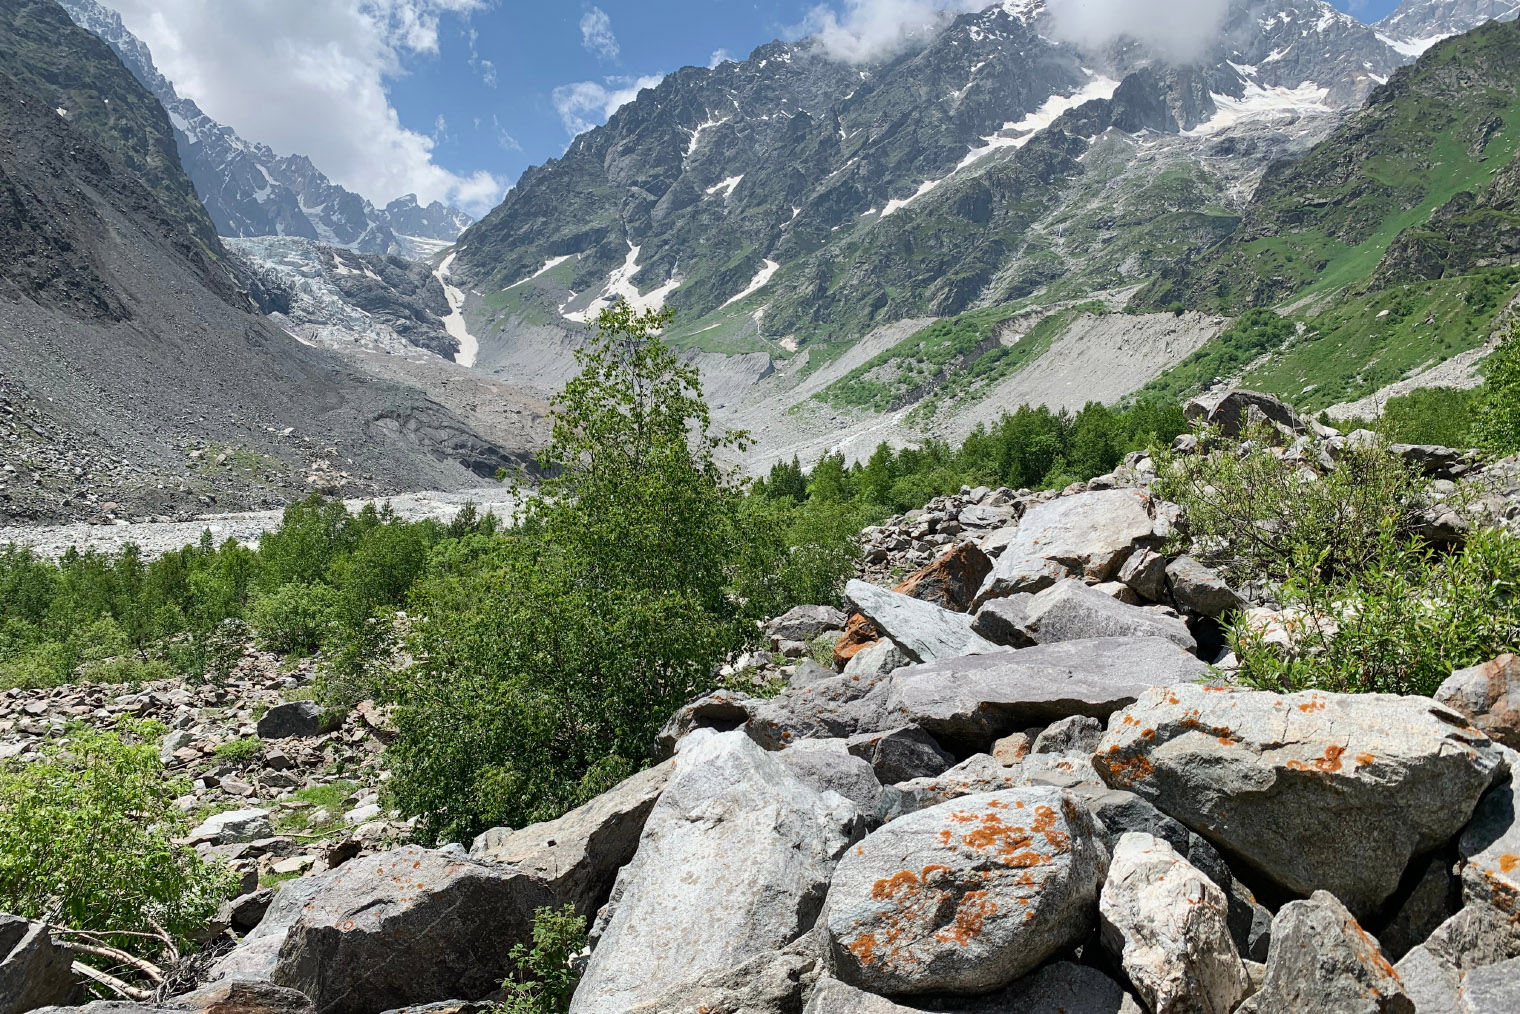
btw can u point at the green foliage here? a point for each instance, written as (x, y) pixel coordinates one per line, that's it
(548, 658)
(1250, 512)
(1426, 415)
(1497, 425)
(86, 832)
(295, 618)
(542, 980)
(1399, 625)
(1254, 332)
(240, 751)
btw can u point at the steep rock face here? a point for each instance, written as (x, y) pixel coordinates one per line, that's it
(852, 194)
(248, 189)
(1419, 24)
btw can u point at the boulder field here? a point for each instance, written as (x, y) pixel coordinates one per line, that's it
(1020, 789)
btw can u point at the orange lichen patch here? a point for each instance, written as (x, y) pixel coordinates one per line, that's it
(1128, 770)
(973, 908)
(864, 948)
(1365, 759)
(1507, 863)
(888, 887)
(945, 836)
(1330, 762)
(1313, 704)
(1147, 733)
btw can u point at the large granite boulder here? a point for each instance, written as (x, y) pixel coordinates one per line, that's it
(334, 936)
(296, 718)
(1168, 926)
(973, 701)
(1088, 535)
(1061, 987)
(803, 623)
(966, 896)
(898, 755)
(1490, 850)
(1071, 610)
(1434, 973)
(978, 773)
(925, 632)
(832, 708)
(952, 580)
(1200, 589)
(1312, 790)
(1323, 962)
(34, 972)
(577, 856)
(231, 996)
(1238, 409)
(1488, 696)
(733, 864)
(827, 765)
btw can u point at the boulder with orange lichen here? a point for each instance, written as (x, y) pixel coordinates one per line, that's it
(1323, 962)
(1311, 791)
(966, 896)
(1490, 850)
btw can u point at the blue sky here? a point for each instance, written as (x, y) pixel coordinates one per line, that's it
(453, 99)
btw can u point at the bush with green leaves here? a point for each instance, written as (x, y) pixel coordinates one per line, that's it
(295, 618)
(1496, 426)
(1400, 624)
(549, 656)
(86, 839)
(1249, 508)
(543, 981)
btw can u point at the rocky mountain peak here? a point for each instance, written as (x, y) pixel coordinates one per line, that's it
(1419, 24)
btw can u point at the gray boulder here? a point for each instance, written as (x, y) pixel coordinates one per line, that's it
(1199, 589)
(1168, 926)
(1435, 897)
(1077, 734)
(831, 996)
(1087, 535)
(333, 936)
(1071, 610)
(978, 773)
(1005, 621)
(1493, 989)
(721, 710)
(899, 755)
(1323, 962)
(577, 856)
(296, 718)
(237, 996)
(803, 623)
(877, 659)
(1434, 460)
(733, 864)
(1235, 410)
(973, 701)
(1144, 573)
(966, 896)
(233, 826)
(1311, 791)
(826, 765)
(33, 971)
(1489, 851)
(1434, 972)
(833, 708)
(1488, 696)
(767, 984)
(1061, 987)
(924, 631)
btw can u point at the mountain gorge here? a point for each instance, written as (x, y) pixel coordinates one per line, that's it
(135, 375)
(249, 190)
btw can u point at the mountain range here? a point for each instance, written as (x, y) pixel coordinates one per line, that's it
(249, 190)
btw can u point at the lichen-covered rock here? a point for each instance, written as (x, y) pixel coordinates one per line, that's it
(1059, 988)
(1435, 971)
(577, 856)
(877, 659)
(733, 864)
(974, 701)
(1488, 695)
(977, 773)
(1168, 925)
(1323, 962)
(924, 631)
(1088, 535)
(1490, 851)
(1311, 790)
(966, 896)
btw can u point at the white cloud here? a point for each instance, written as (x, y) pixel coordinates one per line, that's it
(719, 56)
(873, 29)
(310, 78)
(587, 104)
(1182, 29)
(596, 34)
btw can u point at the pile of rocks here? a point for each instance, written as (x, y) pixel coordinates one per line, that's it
(247, 753)
(1017, 788)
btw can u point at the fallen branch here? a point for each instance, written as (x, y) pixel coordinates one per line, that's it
(112, 983)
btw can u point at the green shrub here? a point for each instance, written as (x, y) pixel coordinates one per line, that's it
(85, 839)
(543, 981)
(1428, 415)
(50, 664)
(295, 618)
(1400, 625)
(1497, 424)
(240, 751)
(1250, 510)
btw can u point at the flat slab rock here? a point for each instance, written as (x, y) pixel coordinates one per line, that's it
(966, 896)
(976, 700)
(924, 631)
(1313, 791)
(733, 863)
(1071, 610)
